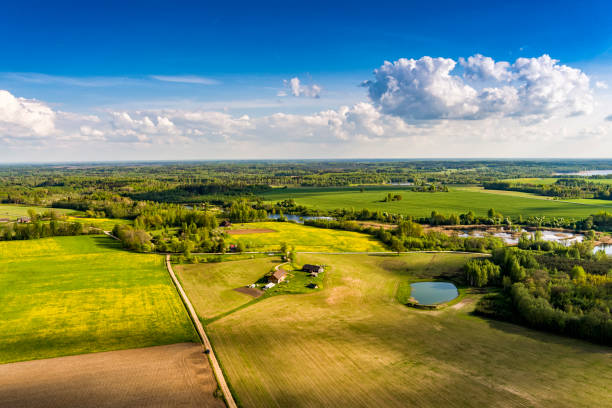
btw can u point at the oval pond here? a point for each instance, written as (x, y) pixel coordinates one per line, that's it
(431, 293)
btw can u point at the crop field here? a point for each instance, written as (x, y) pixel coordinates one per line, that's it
(352, 344)
(12, 211)
(71, 295)
(164, 376)
(304, 238)
(106, 224)
(552, 180)
(457, 200)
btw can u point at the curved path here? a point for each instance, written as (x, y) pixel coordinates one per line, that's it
(229, 399)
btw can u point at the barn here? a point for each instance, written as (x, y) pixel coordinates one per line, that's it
(278, 276)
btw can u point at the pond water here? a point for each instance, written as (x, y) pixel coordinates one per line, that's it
(512, 238)
(587, 173)
(431, 293)
(607, 248)
(297, 218)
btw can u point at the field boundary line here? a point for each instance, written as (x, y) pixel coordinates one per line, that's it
(229, 399)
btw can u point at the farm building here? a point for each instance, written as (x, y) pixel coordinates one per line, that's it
(23, 220)
(269, 285)
(225, 223)
(312, 269)
(278, 276)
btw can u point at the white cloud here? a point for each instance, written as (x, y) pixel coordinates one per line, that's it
(295, 87)
(186, 79)
(20, 117)
(601, 85)
(530, 88)
(483, 68)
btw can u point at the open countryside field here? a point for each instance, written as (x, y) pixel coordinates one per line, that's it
(304, 238)
(211, 285)
(176, 375)
(457, 200)
(71, 295)
(352, 344)
(13, 211)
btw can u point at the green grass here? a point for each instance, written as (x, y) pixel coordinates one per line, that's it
(106, 224)
(72, 295)
(457, 200)
(12, 211)
(352, 344)
(211, 285)
(304, 238)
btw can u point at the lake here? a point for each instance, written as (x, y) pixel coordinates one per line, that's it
(587, 173)
(431, 293)
(512, 238)
(297, 218)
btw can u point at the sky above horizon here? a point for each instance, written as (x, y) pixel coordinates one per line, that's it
(244, 80)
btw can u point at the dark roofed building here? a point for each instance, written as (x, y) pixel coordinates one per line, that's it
(225, 223)
(312, 269)
(278, 276)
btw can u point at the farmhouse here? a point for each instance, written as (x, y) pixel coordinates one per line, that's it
(314, 270)
(225, 223)
(278, 276)
(23, 220)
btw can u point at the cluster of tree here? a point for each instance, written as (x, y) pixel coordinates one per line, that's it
(564, 188)
(482, 272)
(572, 301)
(132, 238)
(242, 211)
(392, 197)
(38, 229)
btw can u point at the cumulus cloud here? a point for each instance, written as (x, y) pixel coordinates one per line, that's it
(20, 117)
(295, 87)
(601, 85)
(479, 67)
(530, 88)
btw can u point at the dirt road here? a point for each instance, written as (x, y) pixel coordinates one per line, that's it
(229, 399)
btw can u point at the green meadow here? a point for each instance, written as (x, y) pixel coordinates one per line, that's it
(352, 344)
(457, 200)
(71, 295)
(13, 211)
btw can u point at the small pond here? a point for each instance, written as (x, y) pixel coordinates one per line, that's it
(297, 218)
(587, 173)
(431, 293)
(607, 248)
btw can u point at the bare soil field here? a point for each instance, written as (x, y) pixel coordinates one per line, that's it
(250, 291)
(177, 375)
(250, 231)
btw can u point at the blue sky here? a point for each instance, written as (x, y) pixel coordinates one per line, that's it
(111, 58)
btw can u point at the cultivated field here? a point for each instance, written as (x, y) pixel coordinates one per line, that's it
(71, 295)
(165, 376)
(352, 344)
(304, 238)
(457, 200)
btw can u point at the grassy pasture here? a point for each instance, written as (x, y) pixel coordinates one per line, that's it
(352, 344)
(72, 295)
(304, 238)
(457, 200)
(13, 211)
(211, 285)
